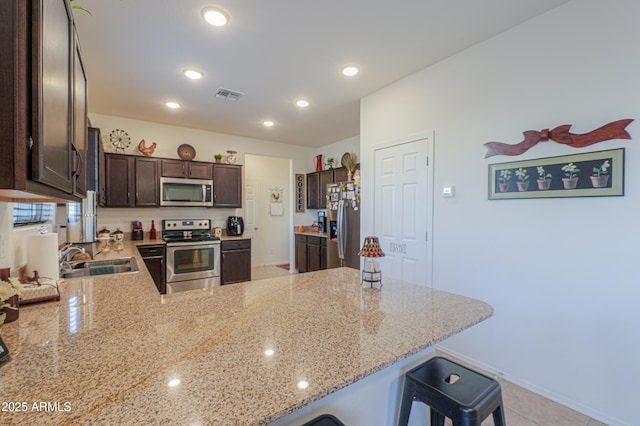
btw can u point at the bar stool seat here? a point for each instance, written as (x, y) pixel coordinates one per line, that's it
(454, 391)
(324, 420)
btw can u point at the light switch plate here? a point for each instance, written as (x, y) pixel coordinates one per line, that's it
(448, 191)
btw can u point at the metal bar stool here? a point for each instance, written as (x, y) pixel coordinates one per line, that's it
(454, 391)
(324, 420)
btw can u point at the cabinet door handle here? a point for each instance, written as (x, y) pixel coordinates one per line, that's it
(77, 170)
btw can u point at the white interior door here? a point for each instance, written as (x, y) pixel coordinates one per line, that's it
(251, 216)
(401, 215)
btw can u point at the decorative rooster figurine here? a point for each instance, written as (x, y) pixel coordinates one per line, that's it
(148, 151)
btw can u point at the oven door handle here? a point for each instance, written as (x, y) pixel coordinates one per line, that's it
(193, 243)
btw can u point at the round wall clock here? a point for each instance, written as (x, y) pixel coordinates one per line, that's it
(119, 139)
(186, 152)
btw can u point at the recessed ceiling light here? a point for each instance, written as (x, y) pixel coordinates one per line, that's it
(350, 71)
(172, 105)
(268, 123)
(303, 384)
(215, 17)
(173, 383)
(193, 74)
(302, 103)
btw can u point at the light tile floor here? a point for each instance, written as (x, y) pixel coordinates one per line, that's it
(263, 272)
(522, 407)
(526, 408)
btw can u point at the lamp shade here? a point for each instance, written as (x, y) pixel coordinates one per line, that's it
(371, 248)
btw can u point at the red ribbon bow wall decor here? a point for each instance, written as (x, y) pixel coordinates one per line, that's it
(561, 134)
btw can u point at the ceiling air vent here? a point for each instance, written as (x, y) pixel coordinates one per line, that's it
(229, 95)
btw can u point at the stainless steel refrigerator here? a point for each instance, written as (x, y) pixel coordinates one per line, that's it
(343, 211)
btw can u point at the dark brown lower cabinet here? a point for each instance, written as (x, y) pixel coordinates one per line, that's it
(301, 253)
(235, 261)
(311, 253)
(154, 259)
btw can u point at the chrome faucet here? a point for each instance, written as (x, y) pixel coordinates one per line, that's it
(66, 253)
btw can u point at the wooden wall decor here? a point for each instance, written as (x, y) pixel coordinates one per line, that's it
(561, 134)
(300, 193)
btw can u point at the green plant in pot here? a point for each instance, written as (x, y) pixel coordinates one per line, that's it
(571, 172)
(523, 179)
(600, 178)
(503, 180)
(330, 162)
(544, 179)
(218, 157)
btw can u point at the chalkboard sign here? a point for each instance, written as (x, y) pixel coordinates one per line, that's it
(4, 353)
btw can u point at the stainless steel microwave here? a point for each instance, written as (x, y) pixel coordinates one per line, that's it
(186, 192)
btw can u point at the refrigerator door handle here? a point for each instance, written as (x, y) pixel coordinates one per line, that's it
(342, 229)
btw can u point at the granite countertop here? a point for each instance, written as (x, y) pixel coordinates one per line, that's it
(312, 233)
(113, 348)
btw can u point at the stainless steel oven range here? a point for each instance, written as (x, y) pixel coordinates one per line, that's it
(193, 254)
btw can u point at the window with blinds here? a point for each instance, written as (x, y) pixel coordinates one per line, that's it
(31, 213)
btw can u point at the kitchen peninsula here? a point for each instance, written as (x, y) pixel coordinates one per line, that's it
(114, 351)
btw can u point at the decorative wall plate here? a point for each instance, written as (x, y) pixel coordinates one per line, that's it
(186, 152)
(119, 139)
(345, 158)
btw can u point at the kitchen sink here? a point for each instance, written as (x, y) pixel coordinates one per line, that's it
(90, 268)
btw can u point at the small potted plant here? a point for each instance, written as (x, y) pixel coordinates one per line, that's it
(523, 179)
(503, 180)
(570, 171)
(9, 300)
(330, 162)
(600, 178)
(544, 179)
(218, 158)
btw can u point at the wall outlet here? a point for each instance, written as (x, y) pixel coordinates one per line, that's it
(3, 246)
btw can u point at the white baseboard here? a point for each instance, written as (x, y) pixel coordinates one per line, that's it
(574, 405)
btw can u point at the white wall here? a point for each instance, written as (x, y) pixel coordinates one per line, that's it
(560, 273)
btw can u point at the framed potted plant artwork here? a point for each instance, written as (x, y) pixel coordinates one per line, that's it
(593, 174)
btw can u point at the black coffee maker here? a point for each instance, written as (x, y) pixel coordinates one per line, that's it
(235, 226)
(322, 221)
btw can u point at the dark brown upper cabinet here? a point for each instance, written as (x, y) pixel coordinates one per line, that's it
(227, 185)
(41, 71)
(131, 181)
(317, 188)
(186, 169)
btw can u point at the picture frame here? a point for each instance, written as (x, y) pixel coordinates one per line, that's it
(592, 174)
